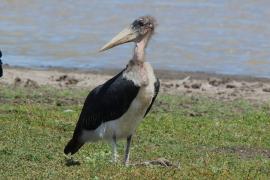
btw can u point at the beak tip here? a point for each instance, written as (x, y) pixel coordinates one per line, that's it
(104, 48)
(126, 35)
(101, 49)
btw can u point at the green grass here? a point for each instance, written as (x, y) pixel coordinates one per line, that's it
(210, 139)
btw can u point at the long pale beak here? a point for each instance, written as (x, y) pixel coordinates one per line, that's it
(125, 36)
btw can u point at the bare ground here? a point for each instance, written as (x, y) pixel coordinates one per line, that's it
(216, 86)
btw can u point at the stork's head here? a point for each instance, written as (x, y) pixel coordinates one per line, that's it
(141, 28)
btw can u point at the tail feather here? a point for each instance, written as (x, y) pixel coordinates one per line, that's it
(73, 146)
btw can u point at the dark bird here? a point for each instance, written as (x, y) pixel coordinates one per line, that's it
(113, 110)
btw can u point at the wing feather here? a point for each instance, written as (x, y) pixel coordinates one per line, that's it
(106, 102)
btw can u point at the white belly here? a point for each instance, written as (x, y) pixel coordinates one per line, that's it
(128, 122)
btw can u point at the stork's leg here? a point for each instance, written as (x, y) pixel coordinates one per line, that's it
(114, 149)
(126, 161)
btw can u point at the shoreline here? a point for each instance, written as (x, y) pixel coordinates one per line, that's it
(160, 73)
(216, 86)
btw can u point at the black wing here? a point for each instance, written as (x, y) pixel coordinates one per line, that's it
(157, 85)
(107, 102)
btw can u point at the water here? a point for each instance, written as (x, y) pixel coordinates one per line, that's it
(221, 36)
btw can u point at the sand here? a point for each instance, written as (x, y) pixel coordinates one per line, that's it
(216, 86)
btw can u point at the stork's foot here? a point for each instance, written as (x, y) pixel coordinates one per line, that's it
(114, 158)
(126, 163)
(126, 160)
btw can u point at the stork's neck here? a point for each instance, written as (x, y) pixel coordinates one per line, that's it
(139, 50)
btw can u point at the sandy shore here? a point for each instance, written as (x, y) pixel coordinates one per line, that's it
(216, 86)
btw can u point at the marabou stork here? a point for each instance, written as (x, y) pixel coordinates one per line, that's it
(113, 110)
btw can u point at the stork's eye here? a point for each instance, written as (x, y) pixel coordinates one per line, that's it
(140, 23)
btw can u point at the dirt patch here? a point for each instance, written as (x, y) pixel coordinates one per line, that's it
(31, 84)
(266, 89)
(67, 80)
(245, 152)
(17, 81)
(221, 87)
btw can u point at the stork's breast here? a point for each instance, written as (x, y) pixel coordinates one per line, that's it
(142, 75)
(147, 92)
(145, 95)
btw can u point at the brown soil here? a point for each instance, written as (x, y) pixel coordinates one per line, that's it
(245, 152)
(216, 86)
